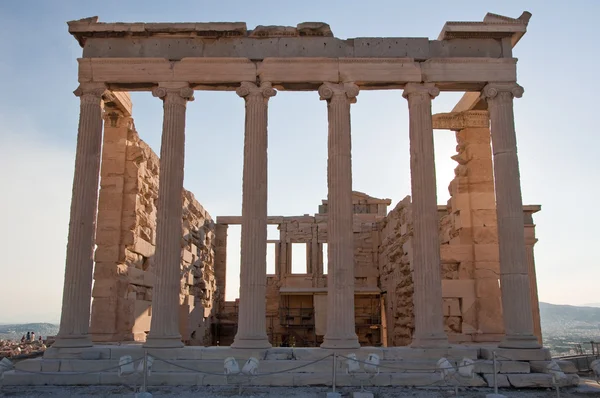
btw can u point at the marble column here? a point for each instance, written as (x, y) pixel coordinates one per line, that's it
(77, 289)
(164, 326)
(341, 331)
(251, 331)
(533, 290)
(514, 276)
(427, 296)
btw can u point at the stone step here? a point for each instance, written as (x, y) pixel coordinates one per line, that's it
(285, 379)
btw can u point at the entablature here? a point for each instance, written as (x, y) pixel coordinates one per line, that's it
(449, 74)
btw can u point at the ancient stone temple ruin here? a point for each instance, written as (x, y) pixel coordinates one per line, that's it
(410, 281)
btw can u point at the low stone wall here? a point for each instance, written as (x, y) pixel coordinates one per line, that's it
(126, 239)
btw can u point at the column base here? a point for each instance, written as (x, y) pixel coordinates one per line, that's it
(251, 342)
(163, 342)
(73, 341)
(439, 340)
(520, 341)
(342, 342)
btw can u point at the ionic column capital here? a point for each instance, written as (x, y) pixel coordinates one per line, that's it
(91, 92)
(174, 94)
(423, 91)
(339, 91)
(115, 117)
(502, 91)
(249, 90)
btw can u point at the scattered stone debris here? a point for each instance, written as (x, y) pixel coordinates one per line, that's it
(17, 349)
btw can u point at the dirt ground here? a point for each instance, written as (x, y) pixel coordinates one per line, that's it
(304, 392)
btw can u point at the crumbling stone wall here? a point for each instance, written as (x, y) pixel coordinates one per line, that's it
(126, 239)
(395, 269)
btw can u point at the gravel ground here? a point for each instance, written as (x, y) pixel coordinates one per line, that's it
(307, 392)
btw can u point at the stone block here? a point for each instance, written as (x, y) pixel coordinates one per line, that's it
(487, 252)
(524, 354)
(76, 353)
(143, 247)
(485, 235)
(458, 288)
(482, 200)
(484, 218)
(174, 379)
(29, 365)
(108, 236)
(410, 354)
(532, 380)
(541, 366)
(104, 315)
(279, 353)
(108, 288)
(501, 380)
(113, 253)
(489, 314)
(112, 184)
(113, 167)
(415, 379)
(456, 253)
(15, 378)
(77, 365)
(502, 367)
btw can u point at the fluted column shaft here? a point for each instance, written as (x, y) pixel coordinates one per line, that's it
(341, 332)
(251, 331)
(427, 296)
(514, 276)
(164, 326)
(77, 290)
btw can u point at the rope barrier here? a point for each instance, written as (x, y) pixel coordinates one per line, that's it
(409, 369)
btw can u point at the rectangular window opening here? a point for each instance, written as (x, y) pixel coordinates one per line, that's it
(325, 252)
(271, 247)
(232, 277)
(272, 232)
(299, 264)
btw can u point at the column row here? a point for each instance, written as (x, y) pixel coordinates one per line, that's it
(429, 330)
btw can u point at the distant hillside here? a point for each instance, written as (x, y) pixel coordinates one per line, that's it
(15, 331)
(564, 326)
(591, 305)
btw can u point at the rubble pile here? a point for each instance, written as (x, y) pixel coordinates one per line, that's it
(11, 348)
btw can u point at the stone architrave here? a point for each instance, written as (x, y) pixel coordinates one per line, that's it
(164, 326)
(251, 332)
(514, 274)
(429, 326)
(340, 291)
(77, 290)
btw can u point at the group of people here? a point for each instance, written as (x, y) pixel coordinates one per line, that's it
(30, 337)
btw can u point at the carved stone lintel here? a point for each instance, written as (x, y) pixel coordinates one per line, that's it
(339, 91)
(177, 95)
(501, 91)
(461, 120)
(249, 89)
(420, 90)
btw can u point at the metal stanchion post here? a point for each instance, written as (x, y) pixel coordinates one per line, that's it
(495, 373)
(334, 394)
(145, 371)
(495, 378)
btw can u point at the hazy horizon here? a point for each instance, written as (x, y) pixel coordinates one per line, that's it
(557, 139)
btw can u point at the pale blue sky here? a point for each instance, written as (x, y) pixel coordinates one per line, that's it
(558, 63)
